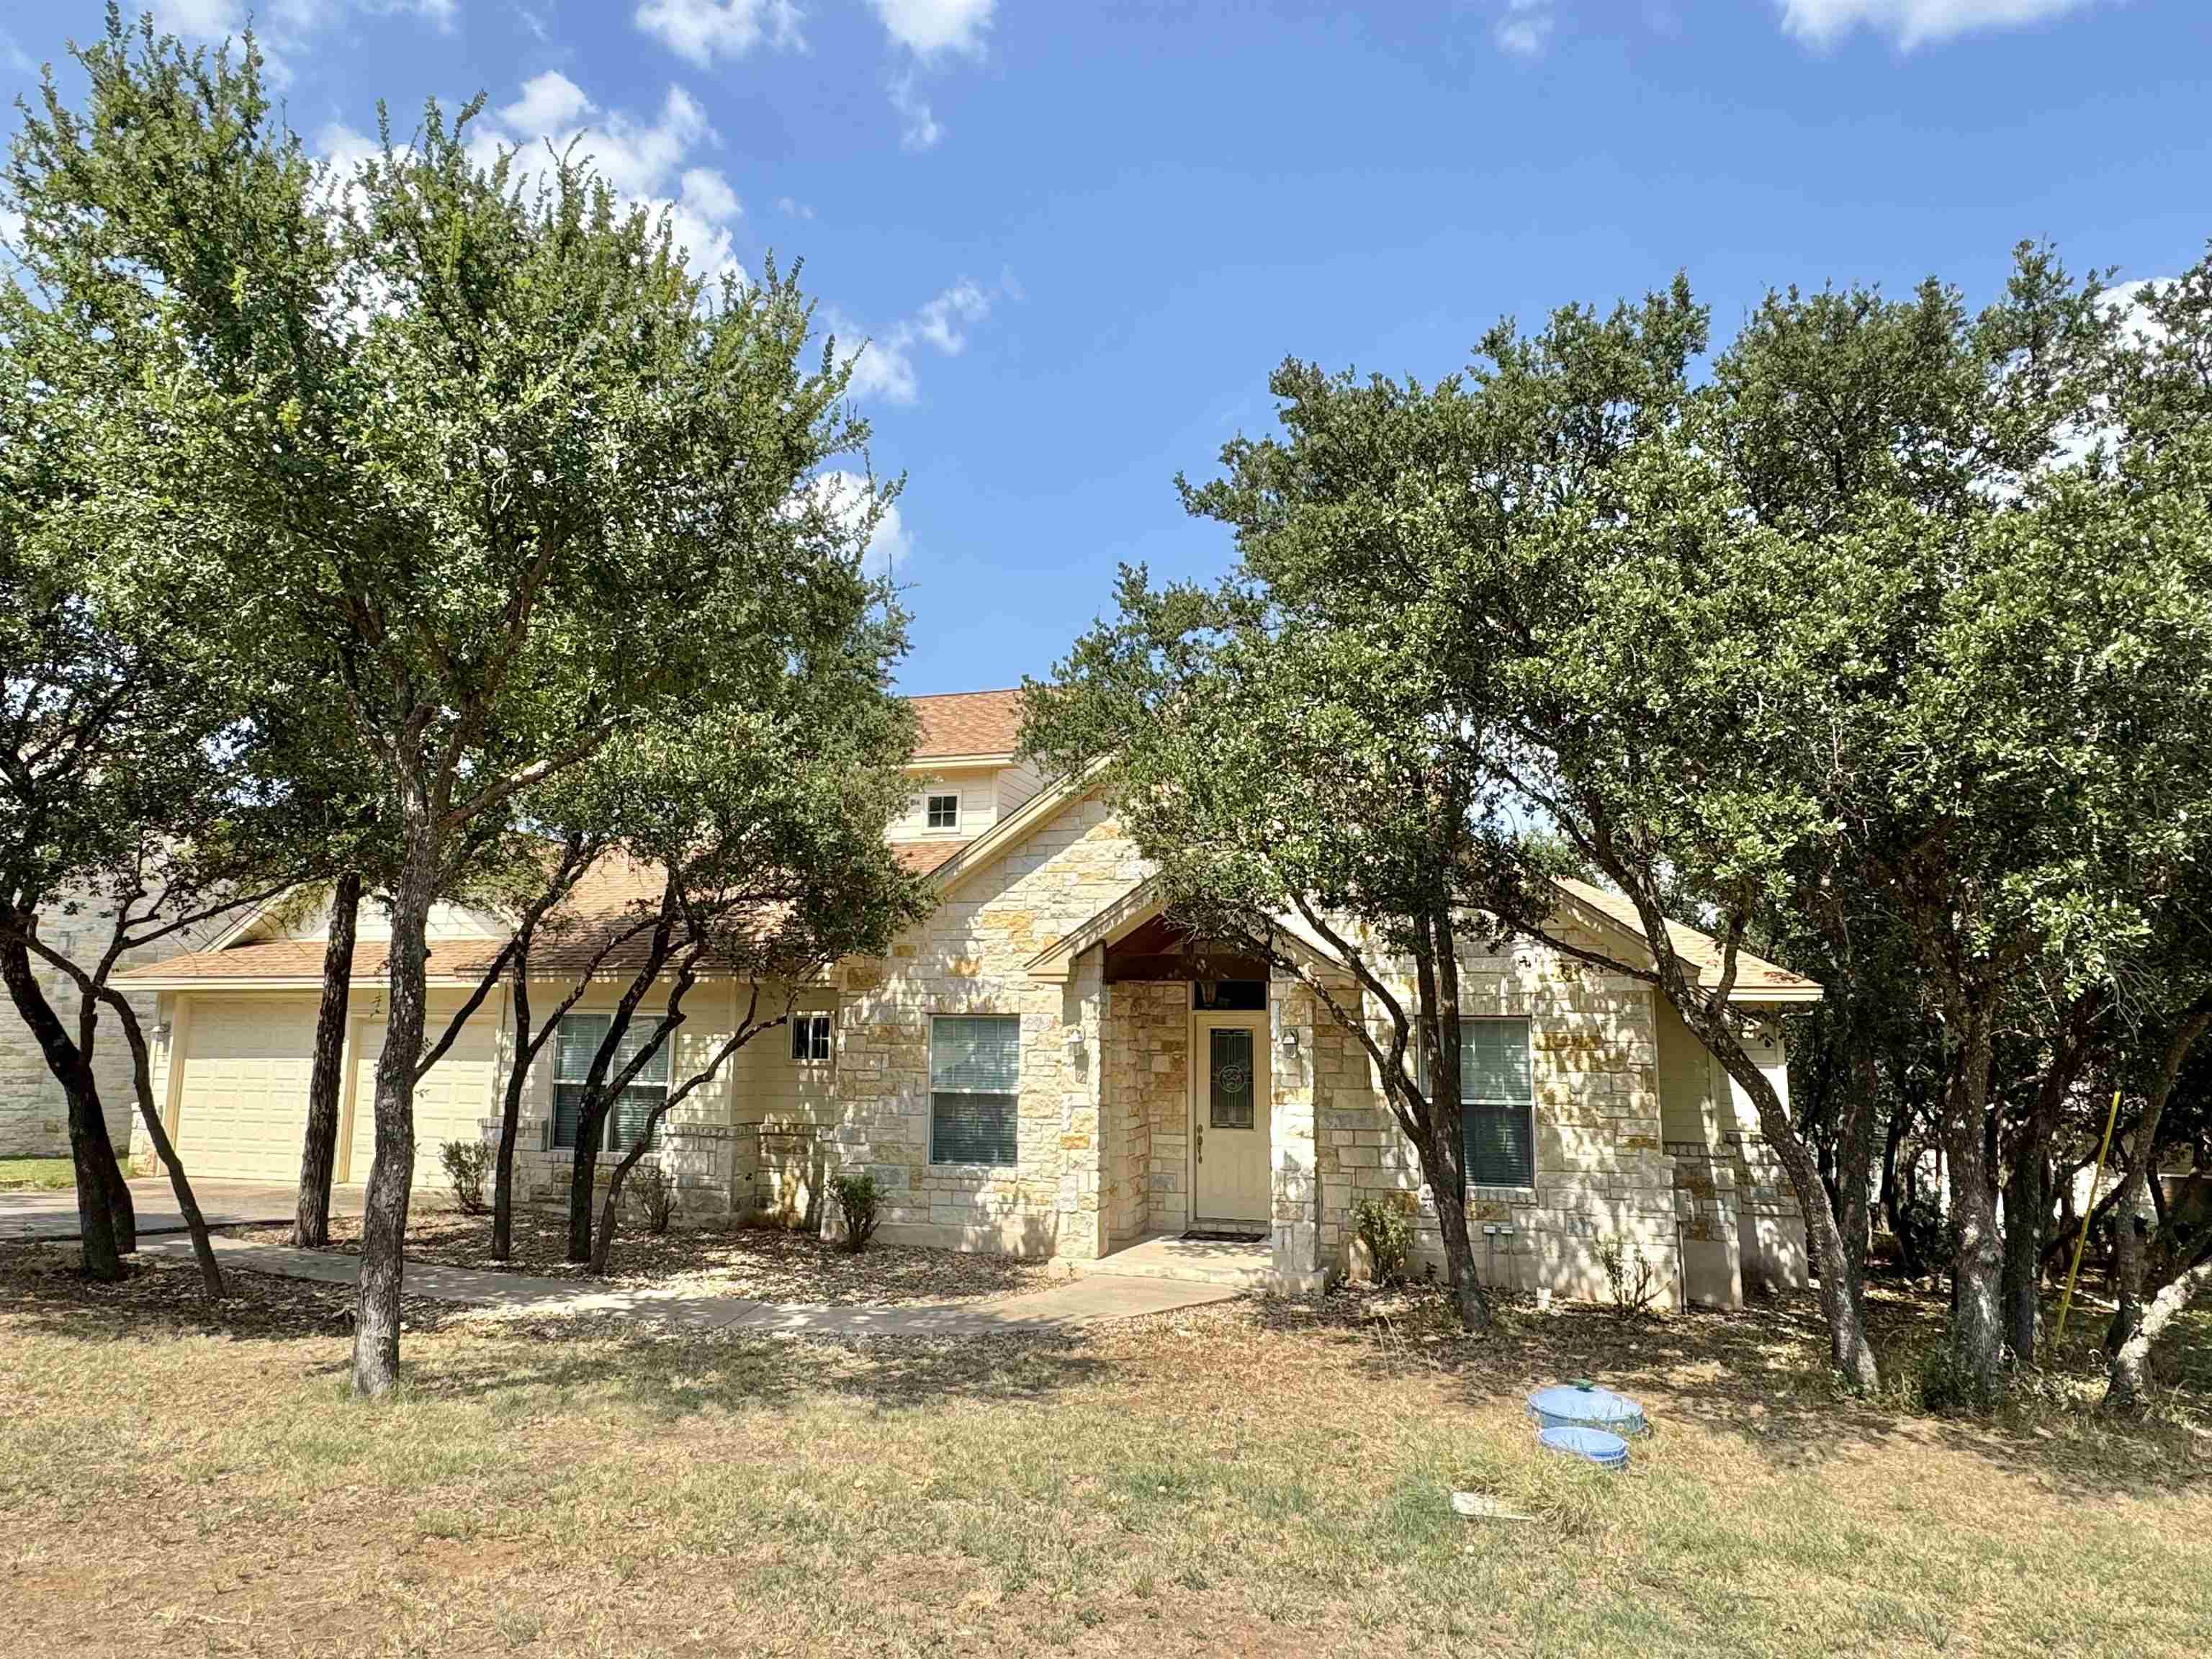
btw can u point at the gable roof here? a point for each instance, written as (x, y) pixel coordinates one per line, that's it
(967, 723)
(1757, 980)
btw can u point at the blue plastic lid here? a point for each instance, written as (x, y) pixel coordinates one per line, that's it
(1568, 1405)
(1607, 1451)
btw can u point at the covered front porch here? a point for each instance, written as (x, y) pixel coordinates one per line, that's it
(1206, 1142)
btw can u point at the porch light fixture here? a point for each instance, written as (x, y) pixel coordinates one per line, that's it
(1289, 1040)
(1073, 1038)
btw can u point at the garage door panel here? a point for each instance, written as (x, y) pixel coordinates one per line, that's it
(450, 1105)
(242, 1099)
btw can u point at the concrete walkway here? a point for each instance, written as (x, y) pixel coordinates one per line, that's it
(1085, 1301)
(51, 1217)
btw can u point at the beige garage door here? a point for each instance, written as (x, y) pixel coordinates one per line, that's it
(450, 1105)
(243, 1097)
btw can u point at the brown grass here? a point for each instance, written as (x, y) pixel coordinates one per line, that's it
(1258, 1477)
(767, 1263)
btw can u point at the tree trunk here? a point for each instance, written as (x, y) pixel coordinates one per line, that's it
(1849, 1351)
(610, 1210)
(1855, 1161)
(1977, 1263)
(2142, 1156)
(392, 1172)
(142, 1073)
(510, 1116)
(2124, 1389)
(107, 1230)
(2027, 1204)
(583, 1167)
(310, 1222)
(1892, 1138)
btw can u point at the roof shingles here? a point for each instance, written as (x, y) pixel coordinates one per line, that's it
(967, 723)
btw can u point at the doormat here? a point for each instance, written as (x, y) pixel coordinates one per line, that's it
(1213, 1235)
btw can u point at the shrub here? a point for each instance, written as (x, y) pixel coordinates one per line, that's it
(1628, 1274)
(654, 1196)
(467, 1163)
(856, 1197)
(1386, 1227)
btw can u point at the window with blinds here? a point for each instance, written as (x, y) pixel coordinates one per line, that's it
(975, 1088)
(1498, 1102)
(574, 1043)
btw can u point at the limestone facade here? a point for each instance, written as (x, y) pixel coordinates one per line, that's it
(1635, 1143)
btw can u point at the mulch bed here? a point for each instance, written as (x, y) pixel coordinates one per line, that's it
(164, 1296)
(765, 1263)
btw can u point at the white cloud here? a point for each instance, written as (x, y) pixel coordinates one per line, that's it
(926, 27)
(1910, 23)
(938, 322)
(1526, 29)
(883, 368)
(845, 496)
(283, 28)
(650, 164)
(703, 30)
(918, 128)
(548, 100)
(707, 194)
(792, 208)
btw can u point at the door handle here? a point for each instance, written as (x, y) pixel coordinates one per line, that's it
(1198, 1130)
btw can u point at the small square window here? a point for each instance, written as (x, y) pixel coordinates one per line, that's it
(944, 811)
(810, 1037)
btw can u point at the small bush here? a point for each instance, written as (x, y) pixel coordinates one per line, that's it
(1629, 1275)
(467, 1163)
(1386, 1227)
(654, 1196)
(857, 1198)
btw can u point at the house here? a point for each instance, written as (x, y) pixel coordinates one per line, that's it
(1044, 1066)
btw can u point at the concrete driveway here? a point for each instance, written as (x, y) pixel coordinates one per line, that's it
(52, 1216)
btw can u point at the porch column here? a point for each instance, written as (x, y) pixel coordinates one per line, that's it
(1296, 1232)
(1081, 1067)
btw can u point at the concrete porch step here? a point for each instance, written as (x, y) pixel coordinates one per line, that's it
(1200, 1261)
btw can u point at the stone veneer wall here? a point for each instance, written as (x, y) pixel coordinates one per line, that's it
(1600, 1170)
(33, 1115)
(1148, 1089)
(971, 957)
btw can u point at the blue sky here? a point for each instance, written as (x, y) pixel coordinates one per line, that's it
(1080, 236)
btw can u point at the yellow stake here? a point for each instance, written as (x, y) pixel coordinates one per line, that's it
(2087, 1210)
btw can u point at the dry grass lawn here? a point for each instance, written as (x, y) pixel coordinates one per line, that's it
(768, 1264)
(1256, 1477)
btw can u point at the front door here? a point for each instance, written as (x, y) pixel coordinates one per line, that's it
(1229, 1121)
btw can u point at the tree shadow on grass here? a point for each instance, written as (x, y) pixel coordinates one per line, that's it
(664, 1378)
(658, 1370)
(41, 1284)
(1760, 1376)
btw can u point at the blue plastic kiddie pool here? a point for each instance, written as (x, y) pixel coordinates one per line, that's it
(1607, 1451)
(1582, 1405)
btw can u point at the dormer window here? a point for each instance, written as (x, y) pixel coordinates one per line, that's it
(943, 812)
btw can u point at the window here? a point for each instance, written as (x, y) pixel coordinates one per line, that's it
(809, 1037)
(975, 1088)
(1498, 1102)
(575, 1043)
(944, 811)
